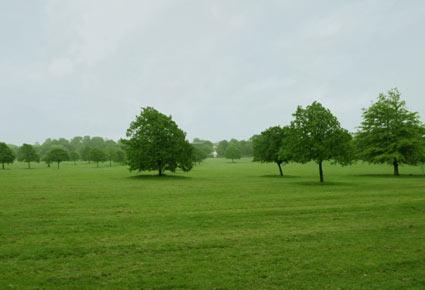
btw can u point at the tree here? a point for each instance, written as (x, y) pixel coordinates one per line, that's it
(232, 152)
(198, 153)
(246, 148)
(208, 144)
(85, 153)
(204, 145)
(97, 155)
(155, 142)
(221, 148)
(201, 149)
(267, 145)
(57, 155)
(316, 135)
(119, 156)
(74, 156)
(46, 159)
(28, 154)
(390, 133)
(110, 155)
(6, 154)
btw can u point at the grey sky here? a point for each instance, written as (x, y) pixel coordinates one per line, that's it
(222, 69)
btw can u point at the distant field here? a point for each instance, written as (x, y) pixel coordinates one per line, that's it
(222, 225)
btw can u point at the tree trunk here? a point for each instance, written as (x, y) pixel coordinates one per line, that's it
(110, 163)
(321, 171)
(2, 165)
(58, 164)
(97, 164)
(395, 164)
(29, 164)
(280, 168)
(160, 168)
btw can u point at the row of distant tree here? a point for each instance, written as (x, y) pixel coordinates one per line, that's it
(98, 149)
(233, 149)
(90, 149)
(389, 133)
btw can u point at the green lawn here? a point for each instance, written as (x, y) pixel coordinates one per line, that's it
(222, 225)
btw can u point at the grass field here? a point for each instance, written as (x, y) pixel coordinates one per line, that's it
(222, 225)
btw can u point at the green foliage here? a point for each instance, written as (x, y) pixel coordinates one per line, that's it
(85, 153)
(119, 157)
(205, 145)
(221, 148)
(57, 155)
(7, 156)
(97, 155)
(201, 149)
(232, 152)
(316, 135)
(268, 144)
(74, 156)
(156, 143)
(27, 153)
(198, 154)
(390, 133)
(246, 148)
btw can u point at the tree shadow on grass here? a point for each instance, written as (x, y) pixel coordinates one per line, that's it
(157, 177)
(323, 184)
(278, 176)
(392, 176)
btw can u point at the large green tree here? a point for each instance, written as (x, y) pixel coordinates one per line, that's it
(390, 133)
(57, 155)
(27, 153)
(316, 135)
(267, 145)
(155, 142)
(233, 151)
(6, 154)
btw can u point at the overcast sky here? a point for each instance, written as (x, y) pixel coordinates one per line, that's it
(222, 69)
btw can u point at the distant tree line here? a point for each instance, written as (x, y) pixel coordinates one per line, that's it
(389, 133)
(89, 149)
(234, 149)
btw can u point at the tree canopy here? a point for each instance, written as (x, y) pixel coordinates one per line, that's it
(221, 148)
(74, 156)
(268, 144)
(201, 149)
(155, 142)
(57, 155)
(6, 154)
(232, 152)
(97, 155)
(390, 133)
(316, 135)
